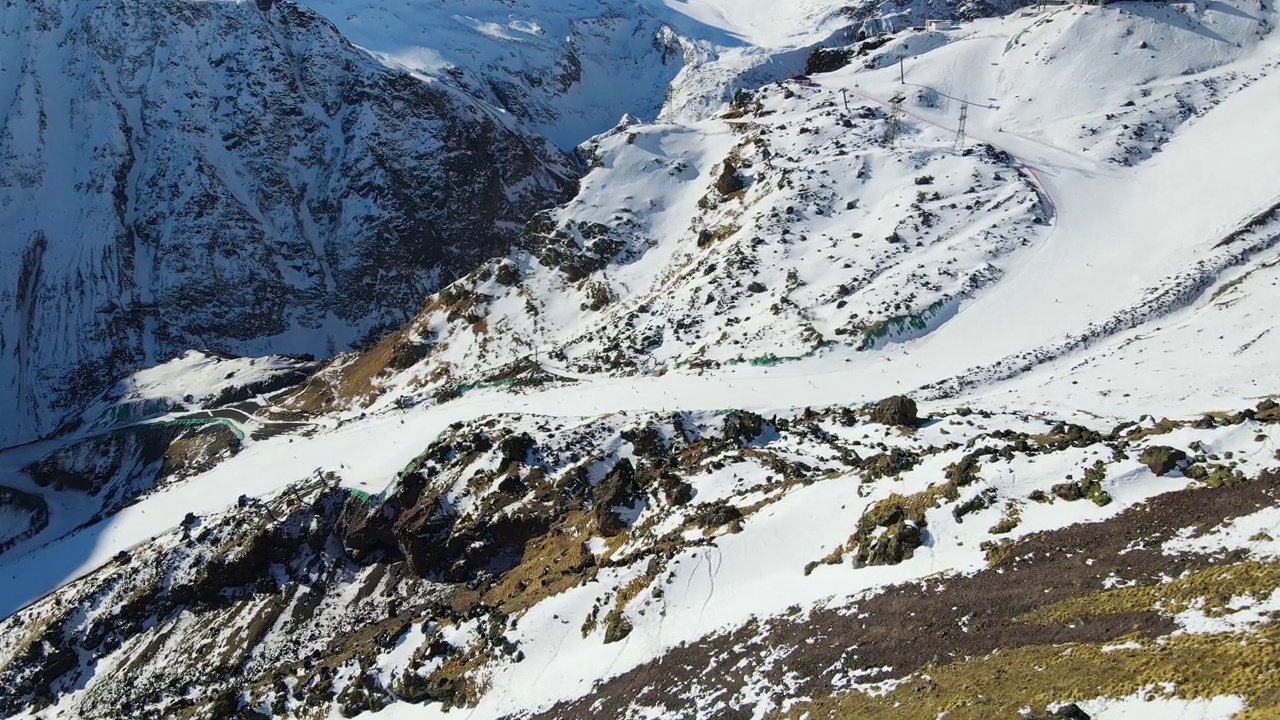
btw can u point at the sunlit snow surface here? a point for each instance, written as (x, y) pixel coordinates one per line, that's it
(1120, 236)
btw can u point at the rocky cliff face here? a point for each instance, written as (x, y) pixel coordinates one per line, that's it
(567, 68)
(229, 175)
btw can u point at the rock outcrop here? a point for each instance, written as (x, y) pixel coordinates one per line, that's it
(1162, 459)
(898, 410)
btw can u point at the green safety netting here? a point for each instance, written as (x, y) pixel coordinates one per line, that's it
(482, 384)
(769, 359)
(899, 325)
(413, 466)
(133, 412)
(362, 496)
(203, 421)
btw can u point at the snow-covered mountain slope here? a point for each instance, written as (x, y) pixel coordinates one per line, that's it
(783, 231)
(565, 491)
(566, 69)
(232, 176)
(196, 380)
(569, 69)
(786, 229)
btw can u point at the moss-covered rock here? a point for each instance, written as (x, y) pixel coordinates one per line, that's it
(616, 627)
(1216, 475)
(891, 530)
(964, 473)
(1162, 459)
(1089, 487)
(896, 543)
(1069, 491)
(1267, 411)
(716, 514)
(1099, 496)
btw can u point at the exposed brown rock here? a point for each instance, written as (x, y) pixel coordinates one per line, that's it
(898, 410)
(1162, 459)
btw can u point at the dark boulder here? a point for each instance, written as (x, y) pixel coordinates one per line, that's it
(1070, 711)
(647, 441)
(515, 448)
(743, 426)
(507, 274)
(730, 181)
(1162, 459)
(677, 491)
(898, 410)
(618, 488)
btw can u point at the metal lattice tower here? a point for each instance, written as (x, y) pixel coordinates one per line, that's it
(895, 117)
(964, 118)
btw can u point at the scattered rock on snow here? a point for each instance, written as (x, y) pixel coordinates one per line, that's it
(729, 181)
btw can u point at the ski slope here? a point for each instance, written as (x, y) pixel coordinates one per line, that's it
(1120, 234)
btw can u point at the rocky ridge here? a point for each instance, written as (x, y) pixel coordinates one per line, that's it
(318, 600)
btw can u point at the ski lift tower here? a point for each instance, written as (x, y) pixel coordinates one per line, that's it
(895, 117)
(964, 118)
